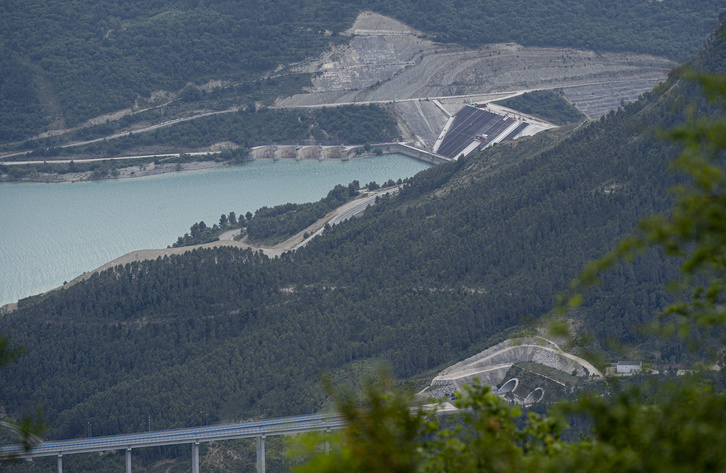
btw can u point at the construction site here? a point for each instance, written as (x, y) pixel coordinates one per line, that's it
(524, 371)
(444, 96)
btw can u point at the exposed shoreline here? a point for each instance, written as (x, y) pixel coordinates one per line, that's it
(342, 213)
(149, 169)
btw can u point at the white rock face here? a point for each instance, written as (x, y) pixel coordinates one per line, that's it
(389, 62)
(491, 365)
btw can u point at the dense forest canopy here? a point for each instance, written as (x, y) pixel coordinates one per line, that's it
(64, 62)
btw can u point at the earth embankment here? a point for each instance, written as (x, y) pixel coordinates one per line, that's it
(388, 62)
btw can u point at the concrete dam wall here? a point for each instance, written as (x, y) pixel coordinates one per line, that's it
(317, 152)
(299, 153)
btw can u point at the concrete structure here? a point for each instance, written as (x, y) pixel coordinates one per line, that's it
(533, 397)
(629, 367)
(509, 386)
(474, 128)
(298, 152)
(286, 152)
(491, 365)
(193, 436)
(308, 152)
(317, 152)
(332, 152)
(412, 152)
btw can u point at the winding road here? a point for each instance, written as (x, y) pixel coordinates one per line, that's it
(341, 214)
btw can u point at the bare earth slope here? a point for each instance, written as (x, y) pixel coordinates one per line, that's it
(386, 61)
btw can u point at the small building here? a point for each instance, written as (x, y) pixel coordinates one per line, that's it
(629, 367)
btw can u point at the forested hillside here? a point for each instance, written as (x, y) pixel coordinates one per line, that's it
(465, 252)
(348, 124)
(64, 62)
(464, 255)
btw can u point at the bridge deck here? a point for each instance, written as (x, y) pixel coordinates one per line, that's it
(279, 426)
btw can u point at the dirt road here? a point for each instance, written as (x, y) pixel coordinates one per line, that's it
(342, 213)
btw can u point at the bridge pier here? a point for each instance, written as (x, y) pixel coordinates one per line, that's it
(261, 454)
(128, 460)
(195, 457)
(326, 448)
(60, 463)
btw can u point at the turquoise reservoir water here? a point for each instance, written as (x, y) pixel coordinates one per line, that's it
(51, 233)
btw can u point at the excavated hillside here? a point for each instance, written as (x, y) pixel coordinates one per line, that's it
(387, 61)
(492, 365)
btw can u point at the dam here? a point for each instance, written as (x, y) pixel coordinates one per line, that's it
(321, 152)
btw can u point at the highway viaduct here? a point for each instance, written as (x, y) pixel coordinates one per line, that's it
(194, 436)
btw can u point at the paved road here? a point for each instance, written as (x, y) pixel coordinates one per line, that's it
(233, 110)
(349, 210)
(210, 433)
(90, 160)
(230, 234)
(278, 426)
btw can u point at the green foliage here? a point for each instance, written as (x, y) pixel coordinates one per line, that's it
(20, 107)
(356, 124)
(670, 427)
(674, 428)
(381, 434)
(278, 223)
(545, 104)
(349, 124)
(695, 229)
(621, 25)
(6, 354)
(200, 233)
(123, 51)
(29, 428)
(386, 433)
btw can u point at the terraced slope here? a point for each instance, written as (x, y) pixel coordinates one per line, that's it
(386, 61)
(492, 365)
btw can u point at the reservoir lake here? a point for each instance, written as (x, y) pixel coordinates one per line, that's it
(51, 233)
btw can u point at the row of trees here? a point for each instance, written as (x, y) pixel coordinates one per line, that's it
(200, 233)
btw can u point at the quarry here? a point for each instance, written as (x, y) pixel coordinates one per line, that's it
(425, 83)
